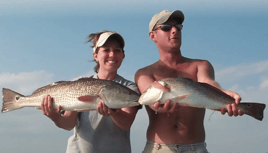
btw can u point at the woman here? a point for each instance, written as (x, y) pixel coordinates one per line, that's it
(102, 130)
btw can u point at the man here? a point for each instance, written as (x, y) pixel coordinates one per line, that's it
(175, 128)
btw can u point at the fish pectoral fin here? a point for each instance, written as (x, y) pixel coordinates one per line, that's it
(180, 97)
(87, 99)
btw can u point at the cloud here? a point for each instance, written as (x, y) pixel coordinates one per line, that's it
(25, 82)
(249, 80)
(69, 6)
(264, 83)
(29, 121)
(242, 70)
(26, 120)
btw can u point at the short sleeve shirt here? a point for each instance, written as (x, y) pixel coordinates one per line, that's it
(95, 133)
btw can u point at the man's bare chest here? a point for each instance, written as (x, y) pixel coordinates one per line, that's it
(185, 72)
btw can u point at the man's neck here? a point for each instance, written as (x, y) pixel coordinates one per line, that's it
(171, 57)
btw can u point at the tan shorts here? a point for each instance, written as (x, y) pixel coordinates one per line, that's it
(152, 147)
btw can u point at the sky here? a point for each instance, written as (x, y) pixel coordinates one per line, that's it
(44, 41)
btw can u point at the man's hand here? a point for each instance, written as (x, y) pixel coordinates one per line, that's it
(232, 108)
(159, 86)
(165, 108)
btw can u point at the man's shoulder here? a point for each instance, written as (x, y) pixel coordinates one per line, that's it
(201, 65)
(146, 70)
(195, 60)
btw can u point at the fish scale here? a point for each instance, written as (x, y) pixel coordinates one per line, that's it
(80, 95)
(187, 92)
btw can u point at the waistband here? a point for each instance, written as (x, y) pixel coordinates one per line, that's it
(194, 145)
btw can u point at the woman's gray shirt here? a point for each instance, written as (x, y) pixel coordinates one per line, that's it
(95, 133)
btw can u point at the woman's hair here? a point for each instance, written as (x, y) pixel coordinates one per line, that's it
(94, 37)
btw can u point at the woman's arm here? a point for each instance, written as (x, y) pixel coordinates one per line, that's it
(122, 117)
(65, 120)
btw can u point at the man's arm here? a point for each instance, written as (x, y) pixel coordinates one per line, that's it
(144, 80)
(206, 74)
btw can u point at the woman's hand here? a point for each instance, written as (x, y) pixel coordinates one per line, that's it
(105, 111)
(49, 110)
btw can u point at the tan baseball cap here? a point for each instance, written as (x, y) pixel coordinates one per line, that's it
(104, 37)
(163, 16)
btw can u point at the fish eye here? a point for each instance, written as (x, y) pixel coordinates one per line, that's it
(17, 97)
(248, 105)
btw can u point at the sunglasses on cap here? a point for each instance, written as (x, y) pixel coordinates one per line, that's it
(167, 27)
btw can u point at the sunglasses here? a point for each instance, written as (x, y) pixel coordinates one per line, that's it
(167, 27)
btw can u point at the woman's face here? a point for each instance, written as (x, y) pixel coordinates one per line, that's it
(109, 56)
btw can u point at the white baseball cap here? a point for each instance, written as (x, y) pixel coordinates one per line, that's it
(163, 16)
(104, 37)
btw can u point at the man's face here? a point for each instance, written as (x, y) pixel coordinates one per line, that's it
(170, 39)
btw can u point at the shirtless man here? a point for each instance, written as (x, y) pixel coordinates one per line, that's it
(175, 128)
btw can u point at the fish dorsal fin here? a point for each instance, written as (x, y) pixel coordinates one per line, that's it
(85, 79)
(47, 86)
(211, 87)
(57, 83)
(87, 99)
(208, 86)
(187, 79)
(216, 89)
(178, 78)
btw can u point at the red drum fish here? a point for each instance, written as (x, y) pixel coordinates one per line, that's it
(81, 95)
(187, 92)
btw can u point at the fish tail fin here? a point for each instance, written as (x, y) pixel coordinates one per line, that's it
(253, 109)
(10, 100)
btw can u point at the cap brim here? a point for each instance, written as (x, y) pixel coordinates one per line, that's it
(176, 15)
(105, 36)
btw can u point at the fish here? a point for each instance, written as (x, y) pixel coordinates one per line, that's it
(190, 93)
(80, 95)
